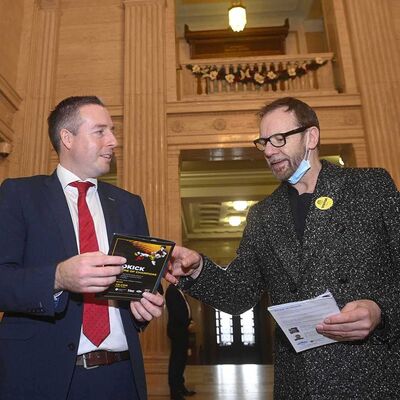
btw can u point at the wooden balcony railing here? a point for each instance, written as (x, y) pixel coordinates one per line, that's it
(252, 75)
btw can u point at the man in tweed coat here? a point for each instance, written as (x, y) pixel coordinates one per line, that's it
(325, 227)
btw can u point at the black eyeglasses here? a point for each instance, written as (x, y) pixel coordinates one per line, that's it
(278, 139)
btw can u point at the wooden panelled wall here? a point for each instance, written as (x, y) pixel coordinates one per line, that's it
(124, 51)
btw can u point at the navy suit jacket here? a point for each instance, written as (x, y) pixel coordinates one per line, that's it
(39, 340)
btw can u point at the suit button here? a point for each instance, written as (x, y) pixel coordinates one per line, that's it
(71, 346)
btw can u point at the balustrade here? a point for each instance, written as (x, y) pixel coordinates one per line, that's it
(311, 72)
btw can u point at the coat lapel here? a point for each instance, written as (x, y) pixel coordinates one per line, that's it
(55, 200)
(283, 238)
(279, 220)
(319, 220)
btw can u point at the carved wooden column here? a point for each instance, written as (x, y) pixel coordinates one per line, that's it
(174, 196)
(145, 155)
(144, 146)
(9, 104)
(376, 59)
(339, 42)
(171, 49)
(35, 144)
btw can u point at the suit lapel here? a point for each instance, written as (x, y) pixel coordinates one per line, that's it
(55, 199)
(110, 210)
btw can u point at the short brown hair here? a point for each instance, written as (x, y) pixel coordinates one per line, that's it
(66, 116)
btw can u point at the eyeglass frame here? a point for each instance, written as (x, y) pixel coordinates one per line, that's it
(284, 136)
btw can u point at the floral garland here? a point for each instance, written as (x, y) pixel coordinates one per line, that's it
(259, 75)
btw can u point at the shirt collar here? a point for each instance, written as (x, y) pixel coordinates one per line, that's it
(66, 177)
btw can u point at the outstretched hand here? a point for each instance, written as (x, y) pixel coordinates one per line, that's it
(356, 321)
(183, 262)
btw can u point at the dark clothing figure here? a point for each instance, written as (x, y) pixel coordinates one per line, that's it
(178, 331)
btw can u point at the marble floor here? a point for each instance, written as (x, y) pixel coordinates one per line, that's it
(228, 382)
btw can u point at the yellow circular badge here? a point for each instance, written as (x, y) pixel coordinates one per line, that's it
(324, 203)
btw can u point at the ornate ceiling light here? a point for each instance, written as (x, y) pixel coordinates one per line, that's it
(234, 220)
(240, 205)
(237, 16)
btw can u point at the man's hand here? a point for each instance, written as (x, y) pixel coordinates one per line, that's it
(150, 306)
(88, 272)
(184, 262)
(356, 321)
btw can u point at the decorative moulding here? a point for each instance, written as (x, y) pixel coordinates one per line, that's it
(48, 4)
(9, 93)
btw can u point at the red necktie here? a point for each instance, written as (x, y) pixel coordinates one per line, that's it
(96, 322)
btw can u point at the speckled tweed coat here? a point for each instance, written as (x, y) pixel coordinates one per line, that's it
(352, 249)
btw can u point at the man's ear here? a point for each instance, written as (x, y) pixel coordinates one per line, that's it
(313, 138)
(65, 138)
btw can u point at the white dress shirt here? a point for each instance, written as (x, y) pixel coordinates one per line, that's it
(116, 340)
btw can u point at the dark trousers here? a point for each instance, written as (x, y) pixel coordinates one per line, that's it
(110, 382)
(177, 361)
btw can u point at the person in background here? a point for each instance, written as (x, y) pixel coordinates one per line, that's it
(179, 320)
(58, 341)
(324, 227)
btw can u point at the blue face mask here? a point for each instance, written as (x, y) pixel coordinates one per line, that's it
(301, 169)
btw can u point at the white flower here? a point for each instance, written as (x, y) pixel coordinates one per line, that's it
(245, 74)
(259, 78)
(230, 78)
(319, 60)
(213, 75)
(196, 69)
(272, 75)
(291, 71)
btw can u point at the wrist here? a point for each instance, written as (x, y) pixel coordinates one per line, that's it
(198, 270)
(57, 278)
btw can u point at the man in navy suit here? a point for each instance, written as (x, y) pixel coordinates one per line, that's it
(44, 353)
